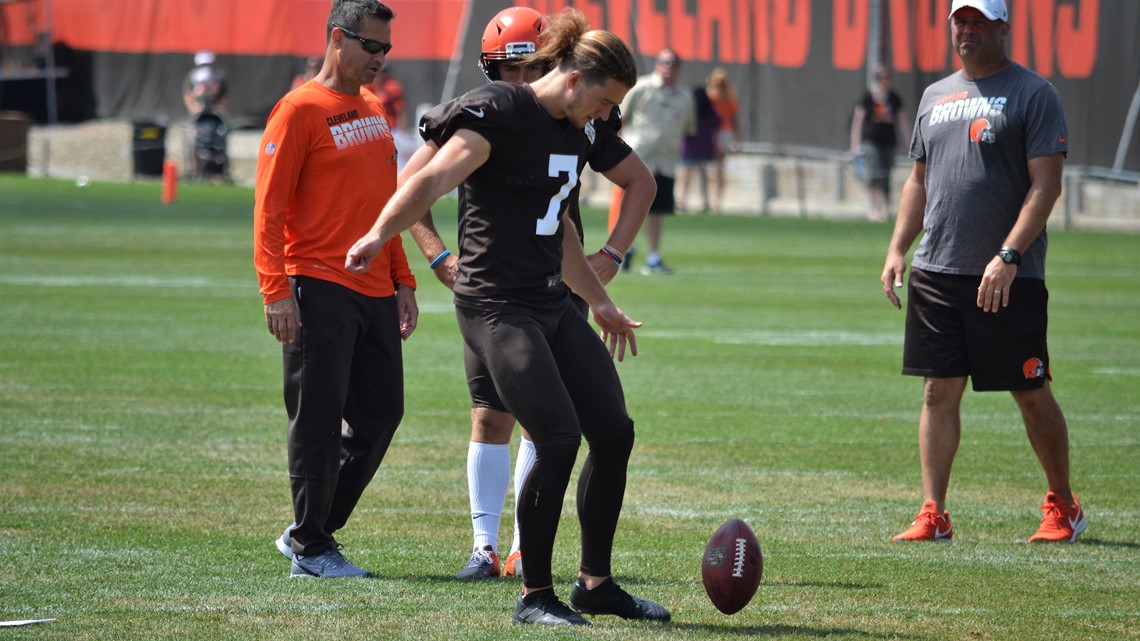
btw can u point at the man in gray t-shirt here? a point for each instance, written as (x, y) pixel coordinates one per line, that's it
(976, 138)
(988, 148)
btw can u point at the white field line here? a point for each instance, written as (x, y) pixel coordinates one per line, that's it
(792, 337)
(114, 281)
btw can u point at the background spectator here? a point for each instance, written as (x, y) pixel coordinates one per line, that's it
(204, 92)
(204, 88)
(312, 66)
(874, 136)
(391, 95)
(723, 97)
(657, 115)
(699, 150)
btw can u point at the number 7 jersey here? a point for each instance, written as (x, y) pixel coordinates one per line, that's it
(510, 231)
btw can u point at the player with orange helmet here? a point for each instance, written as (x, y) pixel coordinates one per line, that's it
(512, 35)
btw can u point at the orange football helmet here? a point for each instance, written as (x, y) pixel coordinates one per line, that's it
(511, 35)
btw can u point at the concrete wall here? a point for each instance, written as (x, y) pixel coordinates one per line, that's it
(760, 181)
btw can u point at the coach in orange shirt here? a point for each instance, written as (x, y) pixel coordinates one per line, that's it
(326, 168)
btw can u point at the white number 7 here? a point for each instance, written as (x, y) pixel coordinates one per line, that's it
(559, 164)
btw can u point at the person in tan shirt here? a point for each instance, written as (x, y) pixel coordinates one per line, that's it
(658, 114)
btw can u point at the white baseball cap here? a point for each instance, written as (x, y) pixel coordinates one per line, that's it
(992, 9)
(204, 58)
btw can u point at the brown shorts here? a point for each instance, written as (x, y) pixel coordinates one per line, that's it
(479, 383)
(948, 335)
(548, 368)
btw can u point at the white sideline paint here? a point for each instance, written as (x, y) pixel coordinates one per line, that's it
(781, 337)
(108, 281)
(1117, 371)
(12, 624)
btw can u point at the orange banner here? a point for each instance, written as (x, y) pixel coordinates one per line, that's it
(250, 27)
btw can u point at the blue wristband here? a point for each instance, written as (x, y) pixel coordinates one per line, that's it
(443, 254)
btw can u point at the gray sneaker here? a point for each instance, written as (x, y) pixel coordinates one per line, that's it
(656, 269)
(329, 564)
(483, 564)
(285, 542)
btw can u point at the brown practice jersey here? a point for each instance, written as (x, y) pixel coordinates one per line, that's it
(510, 231)
(604, 150)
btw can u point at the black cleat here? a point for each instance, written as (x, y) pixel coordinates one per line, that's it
(542, 607)
(609, 598)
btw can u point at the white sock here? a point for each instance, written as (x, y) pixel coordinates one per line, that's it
(653, 258)
(523, 463)
(488, 476)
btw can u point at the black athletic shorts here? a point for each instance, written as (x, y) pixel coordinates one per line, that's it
(663, 202)
(878, 162)
(948, 335)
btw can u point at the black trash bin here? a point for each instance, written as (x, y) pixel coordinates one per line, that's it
(14, 141)
(148, 148)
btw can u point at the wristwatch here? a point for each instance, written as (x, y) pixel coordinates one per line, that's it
(1009, 256)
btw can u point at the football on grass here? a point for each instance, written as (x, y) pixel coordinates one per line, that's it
(732, 566)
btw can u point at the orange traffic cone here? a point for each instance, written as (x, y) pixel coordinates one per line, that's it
(615, 206)
(169, 182)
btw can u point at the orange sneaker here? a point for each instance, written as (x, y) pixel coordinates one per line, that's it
(513, 566)
(929, 525)
(1061, 523)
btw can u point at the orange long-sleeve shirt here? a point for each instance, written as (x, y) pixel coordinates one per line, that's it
(325, 169)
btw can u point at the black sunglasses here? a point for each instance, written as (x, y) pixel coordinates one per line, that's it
(369, 46)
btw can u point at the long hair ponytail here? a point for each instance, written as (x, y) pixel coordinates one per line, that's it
(570, 44)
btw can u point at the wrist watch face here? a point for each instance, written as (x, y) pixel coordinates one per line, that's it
(1006, 256)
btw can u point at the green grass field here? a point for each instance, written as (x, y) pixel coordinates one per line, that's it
(142, 443)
